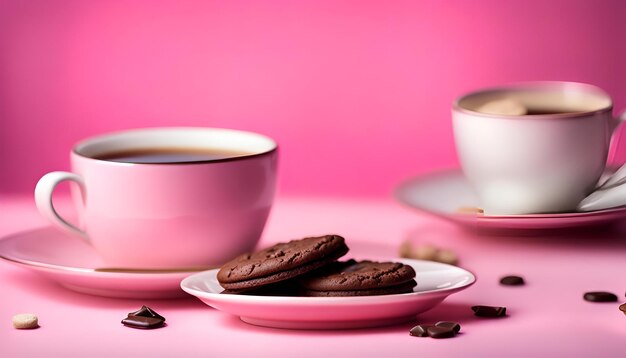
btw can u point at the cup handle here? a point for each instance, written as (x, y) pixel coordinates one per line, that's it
(611, 193)
(616, 135)
(43, 199)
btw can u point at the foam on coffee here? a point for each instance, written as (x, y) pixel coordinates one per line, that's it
(534, 101)
(506, 106)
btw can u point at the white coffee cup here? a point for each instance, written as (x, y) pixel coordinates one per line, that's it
(535, 147)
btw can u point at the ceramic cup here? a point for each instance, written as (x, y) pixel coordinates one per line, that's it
(536, 147)
(168, 215)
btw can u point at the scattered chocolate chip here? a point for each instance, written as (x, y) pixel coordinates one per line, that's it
(600, 296)
(512, 281)
(489, 311)
(441, 329)
(146, 311)
(440, 332)
(142, 322)
(622, 307)
(145, 318)
(420, 330)
(455, 326)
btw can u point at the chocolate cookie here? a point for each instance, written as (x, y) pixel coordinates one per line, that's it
(359, 278)
(280, 262)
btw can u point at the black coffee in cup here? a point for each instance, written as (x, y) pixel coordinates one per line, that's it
(169, 155)
(545, 111)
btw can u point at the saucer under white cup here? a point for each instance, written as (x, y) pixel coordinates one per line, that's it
(443, 193)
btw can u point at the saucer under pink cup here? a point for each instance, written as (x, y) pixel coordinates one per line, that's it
(174, 214)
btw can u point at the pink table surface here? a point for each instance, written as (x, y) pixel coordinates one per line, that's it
(547, 317)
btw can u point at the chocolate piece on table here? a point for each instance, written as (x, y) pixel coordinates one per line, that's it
(455, 326)
(146, 311)
(142, 322)
(512, 281)
(441, 332)
(622, 307)
(600, 296)
(421, 330)
(489, 311)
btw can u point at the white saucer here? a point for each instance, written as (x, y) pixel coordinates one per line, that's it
(77, 266)
(435, 281)
(443, 193)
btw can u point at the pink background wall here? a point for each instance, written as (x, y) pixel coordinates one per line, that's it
(356, 92)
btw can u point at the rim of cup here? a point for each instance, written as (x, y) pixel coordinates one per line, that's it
(209, 138)
(571, 88)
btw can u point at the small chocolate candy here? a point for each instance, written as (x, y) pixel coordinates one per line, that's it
(489, 311)
(455, 326)
(146, 311)
(622, 307)
(421, 330)
(142, 322)
(600, 296)
(145, 318)
(440, 332)
(512, 281)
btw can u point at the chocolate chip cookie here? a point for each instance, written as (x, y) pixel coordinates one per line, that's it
(359, 278)
(280, 262)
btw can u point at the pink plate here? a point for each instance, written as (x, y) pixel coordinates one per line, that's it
(435, 281)
(443, 193)
(74, 264)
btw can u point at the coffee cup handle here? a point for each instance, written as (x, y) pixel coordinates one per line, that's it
(43, 199)
(616, 125)
(611, 193)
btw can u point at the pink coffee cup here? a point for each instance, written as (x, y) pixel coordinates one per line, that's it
(168, 215)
